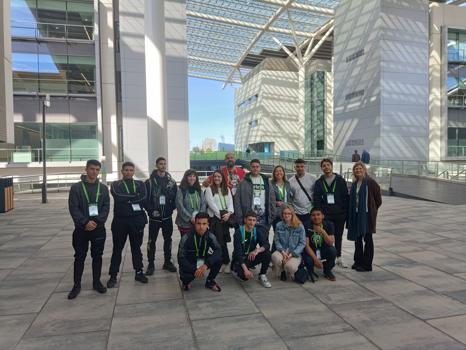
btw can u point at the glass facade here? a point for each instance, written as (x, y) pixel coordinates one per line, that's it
(314, 114)
(457, 142)
(456, 78)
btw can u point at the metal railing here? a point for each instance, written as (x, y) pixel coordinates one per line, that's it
(55, 182)
(457, 101)
(52, 31)
(53, 155)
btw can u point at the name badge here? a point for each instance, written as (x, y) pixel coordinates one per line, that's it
(330, 198)
(199, 263)
(233, 191)
(93, 210)
(319, 256)
(162, 200)
(257, 201)
(136, 207)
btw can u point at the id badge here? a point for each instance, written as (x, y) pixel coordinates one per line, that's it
(93, 210)
(233, 191)
(330, 198)
(156, 213)
(199, 263)
(136, 207)
(257, 201)
(319, 256)
(162, 200)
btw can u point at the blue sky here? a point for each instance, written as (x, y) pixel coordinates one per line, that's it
(211, 111)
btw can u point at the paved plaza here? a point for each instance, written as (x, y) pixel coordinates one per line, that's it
(414, 299)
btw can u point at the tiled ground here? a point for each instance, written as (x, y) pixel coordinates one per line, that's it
(414, 299)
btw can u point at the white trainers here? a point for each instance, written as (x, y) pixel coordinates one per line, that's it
(264, 281)
(341, 263)
(227, 269)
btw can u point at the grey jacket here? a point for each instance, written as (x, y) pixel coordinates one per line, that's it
(184, 210)
(287, 199)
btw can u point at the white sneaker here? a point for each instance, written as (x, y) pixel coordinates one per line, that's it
(264, 281)
(227, 269)
(341, 263)
(222, 268)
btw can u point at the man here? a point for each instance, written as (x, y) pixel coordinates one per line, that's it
(254, 193)
(160, 203)
(199, 251)
(355, 157)
(233, 174)
(319, 250)
(89, 205)
(365, 157)
(302, 186)
(129, 219)
(331, 196)
(251, 249)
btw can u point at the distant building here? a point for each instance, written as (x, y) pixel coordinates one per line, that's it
(226, 147)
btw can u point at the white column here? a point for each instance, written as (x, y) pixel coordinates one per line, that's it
(301, 102)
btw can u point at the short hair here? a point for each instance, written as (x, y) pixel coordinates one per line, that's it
(255, 160)
(299, 161)
(125, 164)
(159, 159)
(314, 209)
(94, 162)
(326, 160)
(250, 214)
(201, 215)
(229, 154)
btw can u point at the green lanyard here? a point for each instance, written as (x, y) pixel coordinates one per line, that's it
(326, 188)
(223, 201)
(250, 241)
(126, 186)
(281, 192)
(155, 182)
(196, 199)
(87, 194)
(317, 239)
(200, 244)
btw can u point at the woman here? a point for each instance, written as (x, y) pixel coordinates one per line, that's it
(189, 201)
(290, 240)
(365, 200)
(282, 189)
(220, 208)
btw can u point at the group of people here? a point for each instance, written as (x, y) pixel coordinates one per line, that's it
(307, 215)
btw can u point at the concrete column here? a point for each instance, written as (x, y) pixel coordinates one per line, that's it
(301, 102)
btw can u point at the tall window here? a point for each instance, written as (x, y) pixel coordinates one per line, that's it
(314, 114)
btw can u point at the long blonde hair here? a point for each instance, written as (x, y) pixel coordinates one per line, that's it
(359, 163)
(295, 222)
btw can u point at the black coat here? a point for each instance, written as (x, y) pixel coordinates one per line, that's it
(339, 210)
(187, 252)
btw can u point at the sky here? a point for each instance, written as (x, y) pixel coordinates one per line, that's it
(211, 111)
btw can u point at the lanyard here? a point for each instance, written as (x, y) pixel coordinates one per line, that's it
(250, 242)
(200, 244)
(196, 199)
(223, 201)
(126, 187)
(317, 239)
(155, 182)
(326, 188)
(87, 194)
(281, 192)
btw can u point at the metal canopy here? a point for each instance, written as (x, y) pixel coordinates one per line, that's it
(227, 38)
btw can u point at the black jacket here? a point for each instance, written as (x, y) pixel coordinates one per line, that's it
(187, 258)
(124, 200)
(340, 208)
(79, 207)
(239, 252)
(155, 187)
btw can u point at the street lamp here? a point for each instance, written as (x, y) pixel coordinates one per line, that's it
(45, 104)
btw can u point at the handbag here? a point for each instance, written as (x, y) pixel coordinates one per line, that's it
(301, 274)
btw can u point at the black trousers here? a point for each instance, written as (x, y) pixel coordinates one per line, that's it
(339, 225)
(328, 253)
(221, 232)
(121, 229)
(364, 253)
(167, 232)
(306, 221)
(261, 258)
(187, 272)
(81, 240)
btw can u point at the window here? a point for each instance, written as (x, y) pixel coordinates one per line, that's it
(248, 102)
(355, 94)
(457, 142)
(355, 55)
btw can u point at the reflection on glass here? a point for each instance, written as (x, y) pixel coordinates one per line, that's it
(314, 114)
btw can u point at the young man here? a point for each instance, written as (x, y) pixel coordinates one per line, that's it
(233, 174)
(198, 252)
(255, 193)
(129, 219)
(89, 205)
(355, 157)
(251, 249)
(331, 195)
(160, 203)
(302, 186)
(319, 250)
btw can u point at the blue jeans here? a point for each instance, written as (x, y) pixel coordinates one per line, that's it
(329, 253)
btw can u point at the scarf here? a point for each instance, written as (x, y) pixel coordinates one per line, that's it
(358, 222)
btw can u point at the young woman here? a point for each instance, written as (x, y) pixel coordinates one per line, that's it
(220, 207)
(282, 189)
(290, 240)
(189, 201)
(365, 200)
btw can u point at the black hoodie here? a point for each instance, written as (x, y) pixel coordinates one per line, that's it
(79, 207)
(125, 196)
(340, 208)
(155, 187)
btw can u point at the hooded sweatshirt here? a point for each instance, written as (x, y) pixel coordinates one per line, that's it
(157, 186)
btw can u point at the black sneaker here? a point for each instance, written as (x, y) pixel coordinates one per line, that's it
(150, 270)
(283, 276)
(354, 266)
(74, 292)
(168, 265)
(212, 285)
(330, 276)
(99, 287)
(111, 283)
(140, 277)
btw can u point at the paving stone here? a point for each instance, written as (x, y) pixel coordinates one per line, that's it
(453, 326)
(12, 329)
(81, 341)
(335, 341)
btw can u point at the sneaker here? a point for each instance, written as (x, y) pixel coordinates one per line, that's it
(150, 270)
(74, 292)
(283, 276)
(168, 266)
(330, 276)
(186, 287)
(227, 269)
(99, 287)
(212, 285)
(140, 277)
(111, 283)
(362, 269)
(341, 263)
(354, 266)
(264, 281)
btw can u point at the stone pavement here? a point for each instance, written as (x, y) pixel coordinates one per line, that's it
(414, 299)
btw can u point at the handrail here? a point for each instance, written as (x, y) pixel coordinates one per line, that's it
(61, 34)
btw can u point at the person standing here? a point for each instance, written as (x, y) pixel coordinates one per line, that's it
(302, 186)
(355, 157)
(129, 220)
(233, 174)
(89, 205)
(365, 201)
(331, 196)
(161, 201)
(220, 208)
(282, 190)
(365, 157)
(190, 200)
